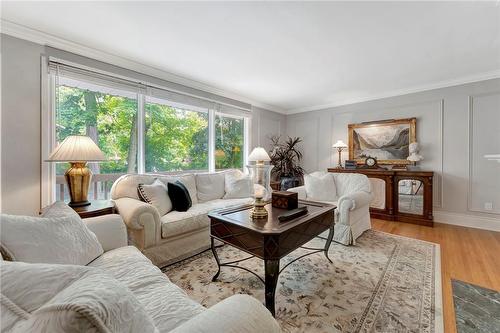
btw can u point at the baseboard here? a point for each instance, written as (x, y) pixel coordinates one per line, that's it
(466, 220)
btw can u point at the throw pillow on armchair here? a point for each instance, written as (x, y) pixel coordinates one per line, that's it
(320, 187)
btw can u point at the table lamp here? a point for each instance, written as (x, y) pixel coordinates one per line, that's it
(261, 175)
(340, 146)
(77, 150)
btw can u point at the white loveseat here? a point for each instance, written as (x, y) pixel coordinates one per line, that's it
(175, 235)
(353, 197)
(161, 301)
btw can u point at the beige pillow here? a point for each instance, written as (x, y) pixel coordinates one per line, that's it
(238, 185)
(60, 237)
(210, 186)
(320, 187)
(68, 298)
(156, 194)
(188, 180)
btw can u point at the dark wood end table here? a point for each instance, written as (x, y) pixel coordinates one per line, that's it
(269, 239)
(96, 208)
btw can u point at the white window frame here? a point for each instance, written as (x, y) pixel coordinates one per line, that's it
(48, 132)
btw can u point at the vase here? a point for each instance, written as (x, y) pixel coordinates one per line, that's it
(289, 182)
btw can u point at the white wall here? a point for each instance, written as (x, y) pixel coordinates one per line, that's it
(20, 163)
(20, 155)
(443, 118)
(265, 124)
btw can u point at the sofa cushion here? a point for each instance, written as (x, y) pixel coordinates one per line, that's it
(320, 187)
(179, 195)
(188, 180)
(64, 239)
(210, 186)
(156, 194)
(167, 304)
(68, 298)
(238, 185)
(177, 223)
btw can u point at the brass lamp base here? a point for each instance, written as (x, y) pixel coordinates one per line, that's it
(258, 211)
(78, 178)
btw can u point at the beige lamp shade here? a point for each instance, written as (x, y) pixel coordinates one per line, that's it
(258, 154)
(77, 148)
(339, 144)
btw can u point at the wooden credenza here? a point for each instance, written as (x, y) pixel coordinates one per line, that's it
(407, 194)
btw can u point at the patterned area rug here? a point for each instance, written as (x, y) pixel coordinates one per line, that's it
(385, 283)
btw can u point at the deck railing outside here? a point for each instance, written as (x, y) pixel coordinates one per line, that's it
(100, 184)
(99, 187)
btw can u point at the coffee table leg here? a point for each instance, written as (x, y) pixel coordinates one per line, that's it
(272, 268)
(329, 241)
(212, 245)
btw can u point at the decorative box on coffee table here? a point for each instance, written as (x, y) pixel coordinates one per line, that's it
(285, 199)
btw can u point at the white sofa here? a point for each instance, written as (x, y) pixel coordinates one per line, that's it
(353, 197)
(160, 300)
(175, 235)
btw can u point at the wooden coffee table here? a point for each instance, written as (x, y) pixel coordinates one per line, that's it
(269, 239)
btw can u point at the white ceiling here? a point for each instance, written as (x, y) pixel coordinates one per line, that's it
(293, 56)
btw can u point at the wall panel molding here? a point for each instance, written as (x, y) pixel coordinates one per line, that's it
(470, 152)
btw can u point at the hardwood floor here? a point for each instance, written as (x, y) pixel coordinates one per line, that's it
(467, 254)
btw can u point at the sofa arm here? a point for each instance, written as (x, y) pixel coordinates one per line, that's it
(301, 190)
(142, 220)
(235, 314)
(354, 200)
(109, 229)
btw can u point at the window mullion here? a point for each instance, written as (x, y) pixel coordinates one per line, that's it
(211, 140)
(141, 117)
(246, 141)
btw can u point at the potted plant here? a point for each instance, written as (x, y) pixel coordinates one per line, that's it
(285, 156)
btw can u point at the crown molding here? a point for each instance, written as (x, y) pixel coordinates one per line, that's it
(400, 92)
(43, 38)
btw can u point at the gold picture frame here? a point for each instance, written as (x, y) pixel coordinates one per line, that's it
(385, 140)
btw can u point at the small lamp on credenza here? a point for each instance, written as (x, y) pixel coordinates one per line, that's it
(77, 150)
(340, 146)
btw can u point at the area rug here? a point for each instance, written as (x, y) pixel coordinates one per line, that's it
(477, 309)
(385, 283)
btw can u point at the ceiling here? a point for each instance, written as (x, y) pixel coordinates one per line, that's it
(290, 56)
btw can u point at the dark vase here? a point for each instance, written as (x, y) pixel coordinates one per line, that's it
(289, 182)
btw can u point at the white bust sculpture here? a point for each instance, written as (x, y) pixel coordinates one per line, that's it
(414, 153)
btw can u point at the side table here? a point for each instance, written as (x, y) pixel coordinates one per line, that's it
(96, 208)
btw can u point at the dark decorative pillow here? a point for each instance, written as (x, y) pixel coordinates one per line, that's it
(179, 195)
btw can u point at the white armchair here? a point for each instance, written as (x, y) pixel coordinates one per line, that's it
(352, 216)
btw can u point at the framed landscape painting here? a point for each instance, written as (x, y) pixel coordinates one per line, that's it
(386, 140)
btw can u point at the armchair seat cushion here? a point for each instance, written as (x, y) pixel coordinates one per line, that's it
(69, 298)
(167, 304)
(177, 223)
